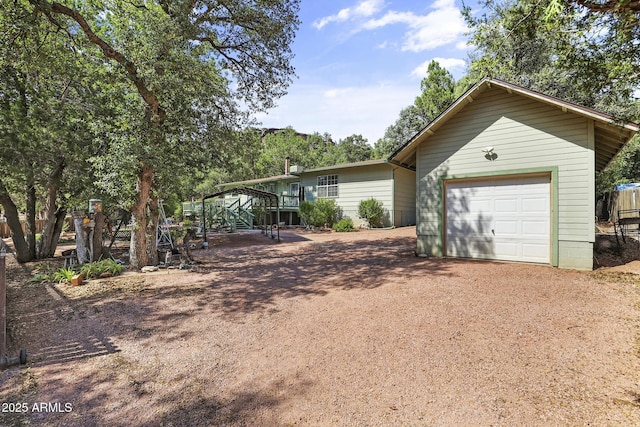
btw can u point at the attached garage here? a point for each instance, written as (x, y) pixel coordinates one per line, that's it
(504, 218)
(507, 173)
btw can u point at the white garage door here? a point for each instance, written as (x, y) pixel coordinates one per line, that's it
(503, 219)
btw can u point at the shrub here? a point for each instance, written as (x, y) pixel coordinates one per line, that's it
(306, 210)
(43, 273)
(95, 269)
(371, 210)
(64, 275)
(328, 211)
(320, 212)
(344, 225)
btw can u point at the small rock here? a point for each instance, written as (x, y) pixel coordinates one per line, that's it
(149, 268)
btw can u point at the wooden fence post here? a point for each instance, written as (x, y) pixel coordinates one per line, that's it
(3, 303)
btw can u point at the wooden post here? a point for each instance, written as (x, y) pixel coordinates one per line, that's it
(278, 223)
(3, 304)
(81, 237)
(96, 243)
(204, 220)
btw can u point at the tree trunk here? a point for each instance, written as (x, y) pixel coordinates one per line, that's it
(13, 220)
(30, 221)
(138, 253)
(49, 238)
(97, 235)
(152, 235)
(81, 237)
(61, 214)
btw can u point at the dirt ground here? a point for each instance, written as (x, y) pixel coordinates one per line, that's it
(347, 329)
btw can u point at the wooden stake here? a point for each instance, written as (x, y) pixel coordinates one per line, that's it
(3, 303)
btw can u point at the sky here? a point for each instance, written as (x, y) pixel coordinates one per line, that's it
(359, 62)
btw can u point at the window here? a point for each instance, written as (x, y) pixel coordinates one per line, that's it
(328, 186)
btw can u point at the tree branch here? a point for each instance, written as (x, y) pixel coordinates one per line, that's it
(147, 95)
(609, 5)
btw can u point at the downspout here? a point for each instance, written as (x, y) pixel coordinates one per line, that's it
(393, 197)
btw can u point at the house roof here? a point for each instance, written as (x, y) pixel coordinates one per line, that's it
(297, 176)
(259, 180)
(349, 165)
(610, 134)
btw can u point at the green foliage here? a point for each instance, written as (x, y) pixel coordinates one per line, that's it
(589, 57)
(309, 151)
(143, 93)
(306, 211)
(344, 225)
(64, 275)
(353, 148)
(319, 213)
(624, 168)
(372, 211)
(41, 277)
(96, 269)
(43, 273)
(438, 90)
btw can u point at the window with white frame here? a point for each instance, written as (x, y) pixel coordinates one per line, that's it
(328, 186)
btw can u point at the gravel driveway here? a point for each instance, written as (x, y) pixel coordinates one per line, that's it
(345, 329)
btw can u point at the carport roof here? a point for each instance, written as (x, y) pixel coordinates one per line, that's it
(247, 192)
(259, 181)
(610, 134)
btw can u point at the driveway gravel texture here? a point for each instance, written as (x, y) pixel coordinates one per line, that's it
(325, 328)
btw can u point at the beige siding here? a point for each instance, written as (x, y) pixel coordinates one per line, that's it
(525, 134)
(405, 197)
(356, 184)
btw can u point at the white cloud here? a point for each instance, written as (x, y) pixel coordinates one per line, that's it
(342, 111)
(453, 65)
(443, 25)
(364, 9)
(368, 7)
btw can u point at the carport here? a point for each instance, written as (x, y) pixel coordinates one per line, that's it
(269, 199)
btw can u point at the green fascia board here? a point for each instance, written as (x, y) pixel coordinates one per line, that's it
(552, 171)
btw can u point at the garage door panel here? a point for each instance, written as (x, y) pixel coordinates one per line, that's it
(535, 205)
(506, 228)
(540, 251)
(470, 247)
(504, 219)
(506, 206)
(506, 250)
(462, 228)
(535, 228)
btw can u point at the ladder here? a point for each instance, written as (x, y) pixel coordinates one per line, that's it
(163, 235)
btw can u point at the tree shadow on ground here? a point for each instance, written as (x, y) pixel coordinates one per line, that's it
(230, 284)
(244, 280)
(63, 333)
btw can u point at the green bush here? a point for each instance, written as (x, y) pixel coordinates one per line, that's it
(43, 273)
(95, 269)
(344, 225)
(320, 212)
(328, 211)
(372, 211)
(64, 275)
(306, 210)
